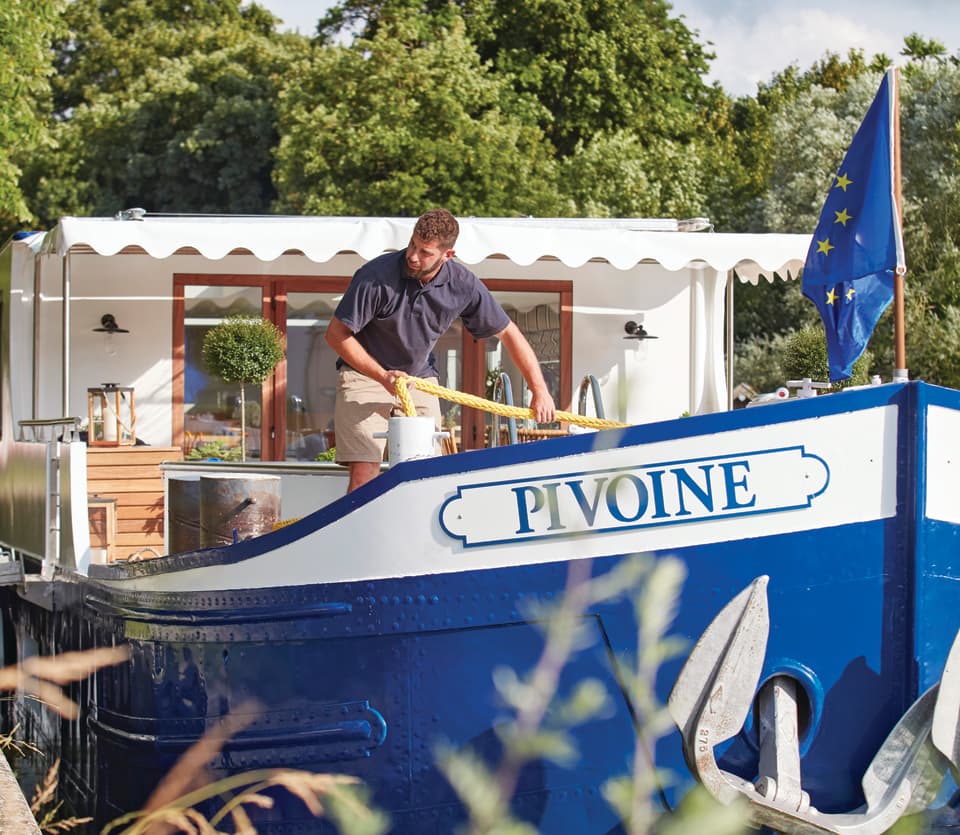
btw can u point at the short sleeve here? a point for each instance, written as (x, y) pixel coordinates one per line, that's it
(483, 316)
(359, 303)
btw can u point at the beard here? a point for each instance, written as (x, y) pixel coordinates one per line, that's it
(426, 271)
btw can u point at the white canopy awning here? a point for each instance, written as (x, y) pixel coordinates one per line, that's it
(622, 243)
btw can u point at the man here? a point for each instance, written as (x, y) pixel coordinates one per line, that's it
(396, 308)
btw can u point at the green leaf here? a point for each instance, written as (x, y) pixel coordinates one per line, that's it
(589, 700)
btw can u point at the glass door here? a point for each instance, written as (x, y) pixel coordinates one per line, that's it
(311, 375)
(211, 408)
(543, 312)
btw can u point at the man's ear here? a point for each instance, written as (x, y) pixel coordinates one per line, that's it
(449, 254)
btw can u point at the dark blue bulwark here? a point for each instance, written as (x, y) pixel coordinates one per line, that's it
(366, 678)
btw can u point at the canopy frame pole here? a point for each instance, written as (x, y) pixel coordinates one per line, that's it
(65, 347)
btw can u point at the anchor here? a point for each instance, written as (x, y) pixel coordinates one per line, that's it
(715, 691)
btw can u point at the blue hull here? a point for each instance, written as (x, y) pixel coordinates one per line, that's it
(364, 677)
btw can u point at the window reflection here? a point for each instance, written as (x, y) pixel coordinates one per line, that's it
(311, 375)
(211, 419)
(538, 317)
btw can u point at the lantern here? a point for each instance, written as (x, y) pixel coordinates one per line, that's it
(111, 416)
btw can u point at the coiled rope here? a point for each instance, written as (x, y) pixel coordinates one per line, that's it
(475, 402)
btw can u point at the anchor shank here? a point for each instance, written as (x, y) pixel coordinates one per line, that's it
(779, 768)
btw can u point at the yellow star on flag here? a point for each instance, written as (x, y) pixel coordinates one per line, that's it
(831, 296)
(825, 246)
(843, 181)
(843, 217)
(850, 293)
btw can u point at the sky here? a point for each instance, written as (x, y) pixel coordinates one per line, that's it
(753, 39)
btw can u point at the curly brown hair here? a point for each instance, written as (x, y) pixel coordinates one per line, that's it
(438, 225)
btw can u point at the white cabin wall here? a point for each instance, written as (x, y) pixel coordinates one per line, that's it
(708, 381)
(640, 381)
(644, 381)
(138, 291)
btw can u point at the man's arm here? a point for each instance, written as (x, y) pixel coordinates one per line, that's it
(525, 359)
(341, 339)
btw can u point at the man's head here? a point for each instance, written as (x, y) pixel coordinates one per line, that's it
(431, 244)
(438, 225)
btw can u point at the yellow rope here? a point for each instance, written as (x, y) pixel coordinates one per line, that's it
(406, 401)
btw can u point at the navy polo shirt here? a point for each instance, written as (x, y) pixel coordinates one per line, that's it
(398, 322)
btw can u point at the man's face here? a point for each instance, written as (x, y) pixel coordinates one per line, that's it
(425, 258)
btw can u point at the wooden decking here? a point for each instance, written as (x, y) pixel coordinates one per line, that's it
(131, 475)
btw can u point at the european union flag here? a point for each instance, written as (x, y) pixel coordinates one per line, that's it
(858, 244)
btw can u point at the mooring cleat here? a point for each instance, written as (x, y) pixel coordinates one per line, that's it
(714, 694)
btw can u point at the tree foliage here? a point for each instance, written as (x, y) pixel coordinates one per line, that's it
(930, 118)
(243, 349)
(618, 175)
(26, 31)
(810, 128)
(166, 105)
(491, 107)
(406, 118)
(594, 66)
(804, 354)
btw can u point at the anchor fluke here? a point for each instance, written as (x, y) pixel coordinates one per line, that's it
(717, 683)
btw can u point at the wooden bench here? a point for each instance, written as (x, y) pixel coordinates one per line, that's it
(131, 475)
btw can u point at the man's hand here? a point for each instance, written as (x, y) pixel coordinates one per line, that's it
(542, 405)
(390, 378)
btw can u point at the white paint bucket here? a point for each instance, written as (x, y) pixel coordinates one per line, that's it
(409, 438)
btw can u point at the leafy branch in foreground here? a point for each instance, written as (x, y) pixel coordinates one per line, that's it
(539, 725)
(42, 678)
(10, 742)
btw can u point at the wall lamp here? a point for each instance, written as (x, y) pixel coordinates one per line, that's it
(109, 328)
(636, 330)
(108, 324)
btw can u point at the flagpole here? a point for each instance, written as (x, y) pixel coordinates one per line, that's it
(899, 326)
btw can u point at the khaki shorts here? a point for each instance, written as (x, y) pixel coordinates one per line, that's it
(362, 408)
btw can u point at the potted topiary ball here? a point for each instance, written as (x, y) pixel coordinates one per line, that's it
(243, 349)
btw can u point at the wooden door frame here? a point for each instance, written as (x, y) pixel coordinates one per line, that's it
(474, 370)
(273, 307)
